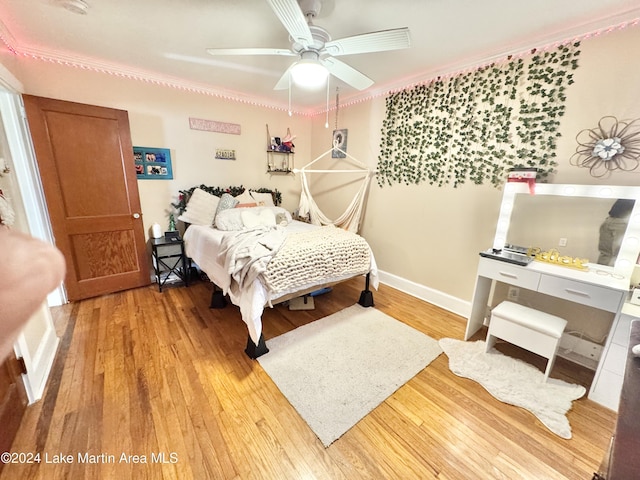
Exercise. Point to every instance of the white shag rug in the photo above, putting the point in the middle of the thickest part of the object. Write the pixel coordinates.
(336, 370)
(514, 382)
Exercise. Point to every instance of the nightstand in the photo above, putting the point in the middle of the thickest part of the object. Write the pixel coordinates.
(169, 261)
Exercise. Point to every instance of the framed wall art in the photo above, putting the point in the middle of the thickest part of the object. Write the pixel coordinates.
(339, 141)
(152, 163)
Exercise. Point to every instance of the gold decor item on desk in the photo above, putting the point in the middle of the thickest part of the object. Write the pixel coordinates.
(554, 257)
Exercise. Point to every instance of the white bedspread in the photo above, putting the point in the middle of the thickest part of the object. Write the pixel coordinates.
(204, 244)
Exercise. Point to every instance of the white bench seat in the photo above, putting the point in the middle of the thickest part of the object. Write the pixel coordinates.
(535, 331)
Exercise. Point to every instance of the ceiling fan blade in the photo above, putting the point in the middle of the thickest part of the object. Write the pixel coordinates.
(290, 15)
(250, 51)
(346, 73)
(393, 39)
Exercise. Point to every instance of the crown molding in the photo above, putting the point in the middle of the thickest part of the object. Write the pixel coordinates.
(579, 32)
(123, 71)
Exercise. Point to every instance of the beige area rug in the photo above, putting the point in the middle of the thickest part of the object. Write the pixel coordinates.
(514, 382)
(336, 370)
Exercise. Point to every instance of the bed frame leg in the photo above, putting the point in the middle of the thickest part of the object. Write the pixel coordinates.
(253, 351)
(366, 296)
(217, 298)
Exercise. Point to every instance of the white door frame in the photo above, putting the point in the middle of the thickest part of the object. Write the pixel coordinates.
(38, 351)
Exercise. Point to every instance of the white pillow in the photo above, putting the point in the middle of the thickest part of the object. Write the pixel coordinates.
(201, 208)
(230, 219)
(245, 197)
(251, 218)
(262, 199)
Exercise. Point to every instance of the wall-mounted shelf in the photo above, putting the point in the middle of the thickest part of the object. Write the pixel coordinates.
(280, 153)
(280, 162)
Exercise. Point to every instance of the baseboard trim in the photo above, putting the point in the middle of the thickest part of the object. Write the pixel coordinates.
(39, 367)
(435, 297)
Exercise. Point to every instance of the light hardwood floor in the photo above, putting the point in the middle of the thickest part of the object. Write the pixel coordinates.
(142, 373)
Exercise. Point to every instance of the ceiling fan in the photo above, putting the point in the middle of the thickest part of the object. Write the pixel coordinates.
(315, 49)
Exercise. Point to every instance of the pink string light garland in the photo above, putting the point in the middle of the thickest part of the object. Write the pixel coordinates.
(239, 98)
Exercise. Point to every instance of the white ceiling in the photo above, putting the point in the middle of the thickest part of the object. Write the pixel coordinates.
(165, 40)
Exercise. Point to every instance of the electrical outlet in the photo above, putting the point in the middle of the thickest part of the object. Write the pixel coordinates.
(562, 242)
(514, 293)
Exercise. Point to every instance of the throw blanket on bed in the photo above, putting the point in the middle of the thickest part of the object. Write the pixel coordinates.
(247, 253)
(285, 263)
(317, 255)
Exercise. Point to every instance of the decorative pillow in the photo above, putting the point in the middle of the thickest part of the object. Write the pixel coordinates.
(246, 205)
(245, 197)
(251, 218)
(281, 219)
(283, 215)
(263, 199)
(201, 208)
(231, 219)
(226, 202)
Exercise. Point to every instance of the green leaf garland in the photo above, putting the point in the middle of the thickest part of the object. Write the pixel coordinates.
(184, 195)
(475, 126)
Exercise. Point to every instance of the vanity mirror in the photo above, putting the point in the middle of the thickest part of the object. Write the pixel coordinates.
(568, 218)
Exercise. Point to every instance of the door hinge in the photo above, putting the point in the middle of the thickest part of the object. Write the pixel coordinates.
(23, 366)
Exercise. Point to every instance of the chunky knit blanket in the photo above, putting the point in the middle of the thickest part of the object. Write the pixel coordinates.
(316, 256)
(286, 264)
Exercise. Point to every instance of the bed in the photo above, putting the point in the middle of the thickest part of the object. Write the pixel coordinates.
(257, 255)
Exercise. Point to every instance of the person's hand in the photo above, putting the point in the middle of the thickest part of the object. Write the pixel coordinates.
(29, 270)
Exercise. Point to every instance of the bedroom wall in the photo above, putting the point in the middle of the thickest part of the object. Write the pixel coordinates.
(423, 234)
(159, 117)
(432, 235)
(426, 238)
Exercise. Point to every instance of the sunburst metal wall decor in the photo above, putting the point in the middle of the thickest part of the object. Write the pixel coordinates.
(613, 145)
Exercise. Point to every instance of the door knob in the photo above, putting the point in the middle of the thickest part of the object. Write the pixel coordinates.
(136, 215)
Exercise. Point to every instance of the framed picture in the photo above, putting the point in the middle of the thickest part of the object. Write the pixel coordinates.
(340, 141)
(152, 163)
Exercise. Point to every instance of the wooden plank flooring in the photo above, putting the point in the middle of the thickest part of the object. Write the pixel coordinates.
(143, 373)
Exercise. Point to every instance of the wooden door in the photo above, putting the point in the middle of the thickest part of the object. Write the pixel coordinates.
(85, 158)
(13, 402)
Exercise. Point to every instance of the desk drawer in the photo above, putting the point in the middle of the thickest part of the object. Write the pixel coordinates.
(584, 293)
(511, 274)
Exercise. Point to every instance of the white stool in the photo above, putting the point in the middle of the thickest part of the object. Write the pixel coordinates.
(525, 327)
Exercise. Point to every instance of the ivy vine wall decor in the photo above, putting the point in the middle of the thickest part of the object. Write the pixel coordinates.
(477, 125)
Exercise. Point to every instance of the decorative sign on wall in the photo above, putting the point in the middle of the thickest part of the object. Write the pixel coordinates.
(224, 154)
(152, 163)
(213, 126)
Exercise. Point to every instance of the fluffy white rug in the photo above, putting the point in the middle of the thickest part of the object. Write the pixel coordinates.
(514, 382)
(336, 370)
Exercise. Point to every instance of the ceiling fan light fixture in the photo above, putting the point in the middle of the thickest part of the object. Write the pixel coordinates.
(309, 73)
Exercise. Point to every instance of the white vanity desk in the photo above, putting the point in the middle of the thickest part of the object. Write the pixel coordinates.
(585, 288)
(594, 288)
